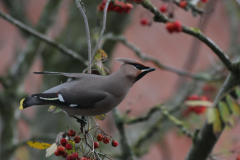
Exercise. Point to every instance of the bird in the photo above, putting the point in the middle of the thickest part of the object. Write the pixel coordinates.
(90, 94)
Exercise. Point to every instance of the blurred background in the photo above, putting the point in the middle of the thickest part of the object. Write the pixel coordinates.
(21, 54)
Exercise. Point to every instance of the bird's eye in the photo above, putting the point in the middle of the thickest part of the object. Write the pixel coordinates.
(138, 66)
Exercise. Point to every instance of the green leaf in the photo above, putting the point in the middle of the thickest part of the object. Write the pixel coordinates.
(225, 113)
(237, 90)
(217, 126)
(235, 108)
(73, 150)
(211, 114)
(195, 30)
(101, 117)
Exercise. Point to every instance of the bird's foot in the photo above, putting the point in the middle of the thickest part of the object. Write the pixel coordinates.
(82, 121)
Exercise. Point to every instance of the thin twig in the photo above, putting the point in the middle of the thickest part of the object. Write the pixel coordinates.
(103, 28)
(42, 37)
(238, 2)
(145, 117)
(87, 33)
(146, 57)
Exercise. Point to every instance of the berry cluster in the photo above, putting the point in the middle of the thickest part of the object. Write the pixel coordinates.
(120, 7)
(174, 26)
(105, 140)
(67, 146)
(70, 142)
(196, 109)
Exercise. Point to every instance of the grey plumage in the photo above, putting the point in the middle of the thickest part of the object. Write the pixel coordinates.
(88, 94)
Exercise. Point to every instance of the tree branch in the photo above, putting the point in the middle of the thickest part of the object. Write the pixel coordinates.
(143, 118)
(103, 28)
(206, 137)
(42, 37)
(146, 57)
(87, 33)
(127, 150)
(159, 17)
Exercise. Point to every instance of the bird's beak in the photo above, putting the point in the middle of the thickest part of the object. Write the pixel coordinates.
(149, 70)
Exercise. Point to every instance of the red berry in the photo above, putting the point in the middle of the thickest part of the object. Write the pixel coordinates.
(71, 132)
(128, 7)
(99, 137)
(106, 140)
(74, 155)
(193, 97)
(163, 8)
(177, 26)
(170, 27)
(137, 1)
(204, 1)
(96, 145)
(68, 146)
(60, 149)
(63, 142)
(83, 158)
(57, 153)
(77, 139)
(183, 4)
(69, 158)
(144, 21)
(114, 143)
(65, 154)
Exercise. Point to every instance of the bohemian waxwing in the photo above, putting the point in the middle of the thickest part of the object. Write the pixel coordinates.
(89, 94)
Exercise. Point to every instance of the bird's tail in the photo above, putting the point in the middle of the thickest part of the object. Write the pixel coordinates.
(30, 101)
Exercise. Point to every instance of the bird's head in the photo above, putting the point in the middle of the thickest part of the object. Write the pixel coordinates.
(133, 68)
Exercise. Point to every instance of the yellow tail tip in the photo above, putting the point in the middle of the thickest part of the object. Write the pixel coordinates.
(21, 104)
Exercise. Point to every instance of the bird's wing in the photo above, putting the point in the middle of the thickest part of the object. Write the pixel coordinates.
(84, 98)
(67, 98)
(76, 75)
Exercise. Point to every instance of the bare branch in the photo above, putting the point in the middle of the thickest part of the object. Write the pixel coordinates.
(103, 28)
(143, 118)
(42, 37)
(87, 33)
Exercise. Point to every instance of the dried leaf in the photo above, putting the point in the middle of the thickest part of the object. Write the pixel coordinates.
(38, 145)
(57, 110)
(100, 55)
(101, 117)
(51, 108)
(51, 150)
(198, 103)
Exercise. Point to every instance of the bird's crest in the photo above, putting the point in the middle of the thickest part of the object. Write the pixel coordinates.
(129, 61)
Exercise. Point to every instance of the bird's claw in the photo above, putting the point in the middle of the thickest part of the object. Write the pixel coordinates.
(82, 121)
